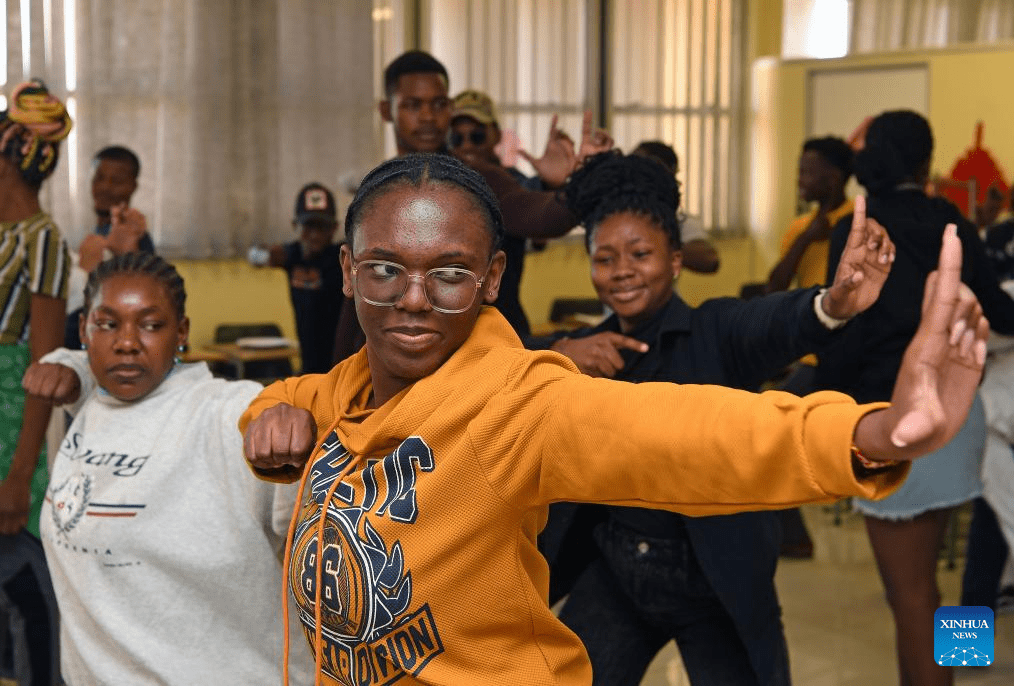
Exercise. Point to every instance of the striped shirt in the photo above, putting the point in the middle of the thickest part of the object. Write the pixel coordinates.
(33, 259)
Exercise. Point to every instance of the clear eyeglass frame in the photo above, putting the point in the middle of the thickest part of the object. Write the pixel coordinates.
(423, 278)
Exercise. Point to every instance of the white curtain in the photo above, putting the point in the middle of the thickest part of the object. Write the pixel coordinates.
(231, 105)
(883, 25)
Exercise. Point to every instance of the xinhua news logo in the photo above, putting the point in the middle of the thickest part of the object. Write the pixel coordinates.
(963, 636)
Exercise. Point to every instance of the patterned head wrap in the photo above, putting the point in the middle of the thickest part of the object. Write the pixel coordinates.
(31, 130)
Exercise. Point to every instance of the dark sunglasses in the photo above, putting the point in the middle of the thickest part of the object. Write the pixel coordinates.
(475, 137)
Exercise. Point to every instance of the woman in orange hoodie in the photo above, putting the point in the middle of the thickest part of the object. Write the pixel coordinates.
(428, 459)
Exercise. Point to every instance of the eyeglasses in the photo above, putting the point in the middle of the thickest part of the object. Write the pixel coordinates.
(475, 137)
(448, 289)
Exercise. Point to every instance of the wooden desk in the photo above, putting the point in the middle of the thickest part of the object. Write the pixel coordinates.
(239, 356)
(204, 355)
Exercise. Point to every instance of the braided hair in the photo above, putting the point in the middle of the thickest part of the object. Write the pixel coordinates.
(610, 183)
(899, 144)
(142, 264)
(31, 129)
(417, 170)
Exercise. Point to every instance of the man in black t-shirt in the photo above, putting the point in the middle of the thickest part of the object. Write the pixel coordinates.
(315, 276)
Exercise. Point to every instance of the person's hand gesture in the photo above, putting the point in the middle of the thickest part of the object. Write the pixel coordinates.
(126, 230)
(91, 251)
(593, 141)
(939, 373)
(558, 160)
(820, 228)
(598, 355)
(862, 269)
(281, 437)
(54, 383)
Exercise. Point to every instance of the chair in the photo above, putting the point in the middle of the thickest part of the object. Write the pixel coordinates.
(564, 308)
(264, 371)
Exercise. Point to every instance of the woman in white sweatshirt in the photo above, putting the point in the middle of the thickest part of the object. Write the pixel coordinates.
(164, 549)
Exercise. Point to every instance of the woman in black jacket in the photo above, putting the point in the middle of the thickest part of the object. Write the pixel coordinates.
(645, 577)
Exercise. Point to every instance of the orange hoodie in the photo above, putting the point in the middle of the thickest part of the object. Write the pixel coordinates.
(430, 570)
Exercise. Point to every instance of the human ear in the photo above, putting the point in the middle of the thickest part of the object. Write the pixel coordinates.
(384, 107)
(345, 259)
(82, 321)
(491, 285)
(677, 263)
(183, 333)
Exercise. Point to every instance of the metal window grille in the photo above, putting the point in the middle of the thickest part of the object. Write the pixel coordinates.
(672, 73)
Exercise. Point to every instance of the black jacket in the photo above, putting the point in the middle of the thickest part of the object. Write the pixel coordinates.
(865, 359)
(728, 342)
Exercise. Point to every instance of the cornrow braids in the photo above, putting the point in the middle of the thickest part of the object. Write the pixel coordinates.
(610, 183)
(416, 170)
(139, 263)
(898, 145)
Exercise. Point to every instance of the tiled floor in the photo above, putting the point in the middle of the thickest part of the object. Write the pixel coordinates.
(838, 626)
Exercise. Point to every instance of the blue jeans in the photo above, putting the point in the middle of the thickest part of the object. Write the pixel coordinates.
(643, 592)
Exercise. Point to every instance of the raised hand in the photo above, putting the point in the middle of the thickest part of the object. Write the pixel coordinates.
(593, 141)
(939, 373)
(820, 228)
(281, 437)
(54, 383)
(599, 355)
(863, 268)
(126, 230)
(91, 251)
(558, 160)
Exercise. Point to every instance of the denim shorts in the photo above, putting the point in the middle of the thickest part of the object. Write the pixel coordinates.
(944, 478)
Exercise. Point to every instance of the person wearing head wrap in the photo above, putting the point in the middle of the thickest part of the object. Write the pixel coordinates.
(33, 290)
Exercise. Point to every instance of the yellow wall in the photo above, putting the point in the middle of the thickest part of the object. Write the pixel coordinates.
(233, 292)
(966, 85)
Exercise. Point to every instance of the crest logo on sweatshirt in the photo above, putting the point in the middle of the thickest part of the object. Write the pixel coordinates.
(368, 635)
(69, 501)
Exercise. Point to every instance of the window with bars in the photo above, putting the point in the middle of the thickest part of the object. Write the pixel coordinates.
(665, 70)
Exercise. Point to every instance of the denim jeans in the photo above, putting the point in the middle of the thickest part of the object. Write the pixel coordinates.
(643, 592)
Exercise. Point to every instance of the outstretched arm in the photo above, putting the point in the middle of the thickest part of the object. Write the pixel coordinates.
(939, 373)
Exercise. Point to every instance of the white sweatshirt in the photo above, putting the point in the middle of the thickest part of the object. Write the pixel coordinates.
(163, 547)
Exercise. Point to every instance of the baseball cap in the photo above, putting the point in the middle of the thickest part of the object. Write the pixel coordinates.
(476, 105)
(315, 202)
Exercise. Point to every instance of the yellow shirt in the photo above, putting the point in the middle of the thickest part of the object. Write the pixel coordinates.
(812, 269)
(430, 573)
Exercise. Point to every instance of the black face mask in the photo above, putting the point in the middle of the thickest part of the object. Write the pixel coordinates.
(475, 137)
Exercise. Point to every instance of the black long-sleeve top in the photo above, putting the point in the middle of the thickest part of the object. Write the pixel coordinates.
(864, 361)
(733, 343)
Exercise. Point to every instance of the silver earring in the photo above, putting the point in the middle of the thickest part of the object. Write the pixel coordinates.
(181, 348)
(84, 346)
